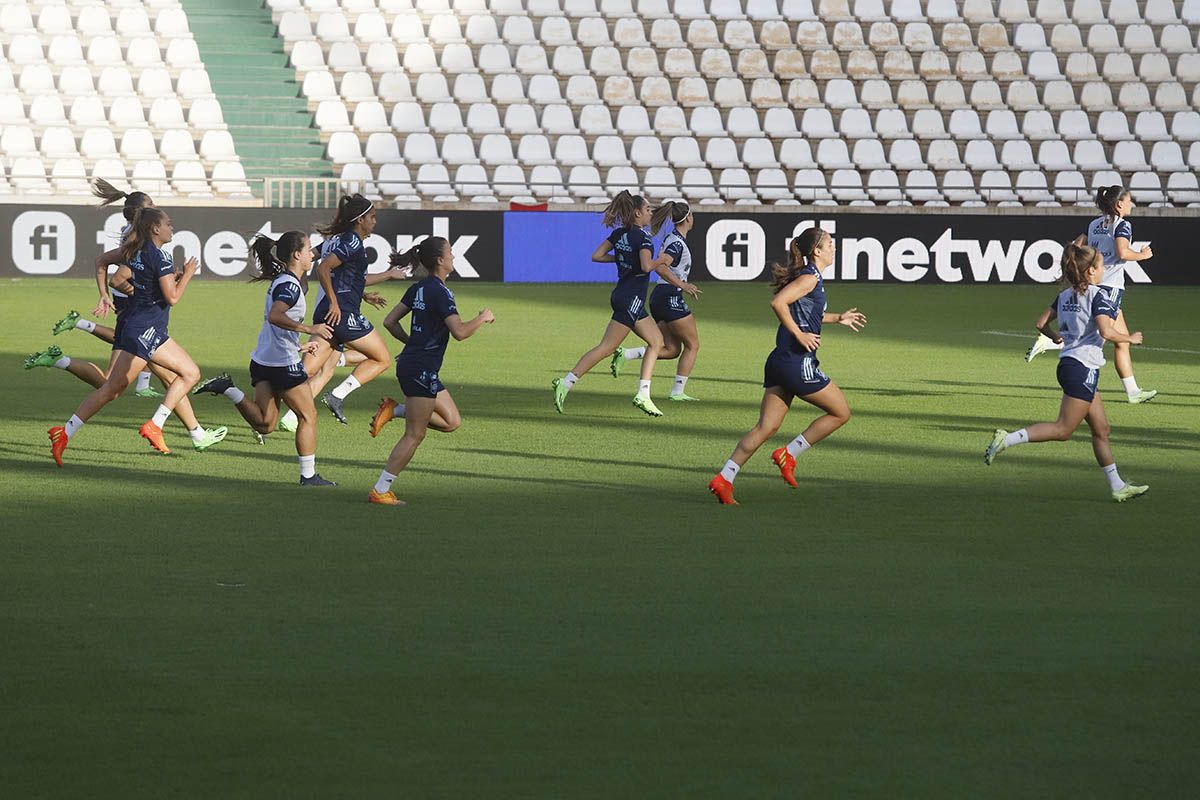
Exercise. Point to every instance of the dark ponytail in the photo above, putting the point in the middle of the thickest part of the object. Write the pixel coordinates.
(351, 208)
(1107, 199)
(111, 194)
(424, 254)
(141, 228)
(273, 256)
(1077, 259)
(675, 210)
(800, 251)
(622, 208)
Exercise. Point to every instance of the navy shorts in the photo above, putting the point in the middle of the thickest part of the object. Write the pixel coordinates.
(140, 336)
(1076, 379)
(627, 307)
(667, 304)
(1114, 294)
(797, 374)
(280, 378)
(353, 325)
(416, 381)
(119, 305)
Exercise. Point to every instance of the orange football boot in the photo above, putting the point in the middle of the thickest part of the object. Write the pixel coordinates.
(723, 489)
(58, 443)
(387, 408)
(787, 465)
(153, 434)
(385, 499)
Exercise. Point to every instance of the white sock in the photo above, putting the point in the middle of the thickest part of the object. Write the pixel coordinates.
(643, 388)
(235, 394)
(73, 425)
(63, 362)
(308, 466)
(160, 416)
(730, 470)
(1017, 437)
(345, 388)
(1114, 479)
(680, 382)
(197, 433)
(398, 411)
(634, 353)
(85, 325)
(341, 359)
(290, 418)
(384, 484)
(570, 379)
(1131, 387)
(798, 445)
(143, 381)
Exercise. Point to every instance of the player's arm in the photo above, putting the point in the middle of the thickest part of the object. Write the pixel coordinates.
(278, 317)
(464, 330)
(663, 266)
(393, 274)
(1127, 253)
(174, 286)
(325, 278)
(392, 322)
(852, 318)
(1043, 324)
(1108, 329)
(122, 280)
(603, 253)
(788, 295)
(103, 262)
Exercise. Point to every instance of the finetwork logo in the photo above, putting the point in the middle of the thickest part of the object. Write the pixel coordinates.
(735, 250)
(43, 242)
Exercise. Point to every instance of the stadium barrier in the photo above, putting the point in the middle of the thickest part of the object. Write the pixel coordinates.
(903, 245)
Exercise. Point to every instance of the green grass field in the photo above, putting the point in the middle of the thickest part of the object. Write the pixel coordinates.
(562, 610)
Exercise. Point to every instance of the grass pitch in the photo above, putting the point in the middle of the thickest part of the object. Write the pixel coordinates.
(563, 610)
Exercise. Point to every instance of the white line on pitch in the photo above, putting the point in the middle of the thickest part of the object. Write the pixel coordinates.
(1140, 347)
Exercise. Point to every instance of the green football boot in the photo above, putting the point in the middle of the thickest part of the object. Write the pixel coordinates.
(149, 391)
(618, 360)
(211, 436)
(46, 358)
(560, 393)
(647, 405)
(995, 447)
(67, 323)
(1143, 396)
(683, 398)
(1128, 492)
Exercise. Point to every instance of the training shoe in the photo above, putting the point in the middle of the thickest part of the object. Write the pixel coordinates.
(995, 447)
(1143, 396)
(316, 480)
(211, 436)
(67, 323)
(787, 466)
(560, 393)
(258, 437)
(46, 358)
(216, 385)
(334, 404)
(1038, 347)
(153, 434)
(618, 359)
(682, 398)
(149, 391)
(58, 442)
(647, 405)
(385, 499)
(1128, 492)
(723, 489)
(383, 415)
(286, 425)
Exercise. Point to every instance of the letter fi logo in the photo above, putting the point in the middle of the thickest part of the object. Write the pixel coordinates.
(735, 250)
(43, 242)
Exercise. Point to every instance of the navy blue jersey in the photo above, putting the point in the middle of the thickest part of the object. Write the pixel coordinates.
(148, 265)
(628, 244)
(349, 279)
(432, 303)
(807, 312)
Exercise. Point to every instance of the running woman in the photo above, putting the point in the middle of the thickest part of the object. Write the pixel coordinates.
(629, 246)
(668, 307)
(435, 319)
(276, 371)
(792, 369)
(1087, 316)
(342, 273)
(1111, 234)
(142, 333)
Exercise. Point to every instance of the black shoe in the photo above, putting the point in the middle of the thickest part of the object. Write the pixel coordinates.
(335, 405)
(216, 385)
(316, 480)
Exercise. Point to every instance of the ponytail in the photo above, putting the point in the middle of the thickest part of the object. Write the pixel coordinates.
(425, 254)
(675, 210)
(111, 194)
(1077, 259)
(799, 252)
(351, 208)
(141, 227)
(273, 257)
(1108, 197)
(622, 208)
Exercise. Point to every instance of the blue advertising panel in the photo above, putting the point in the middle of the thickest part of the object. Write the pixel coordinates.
(554, 247)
